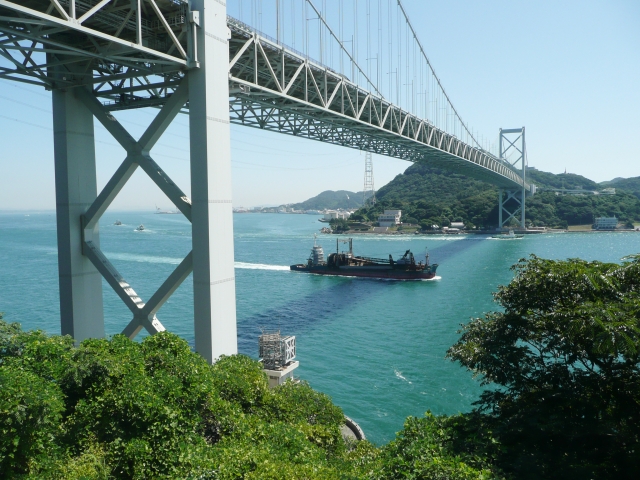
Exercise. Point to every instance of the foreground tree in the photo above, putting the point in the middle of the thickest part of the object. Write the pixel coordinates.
(155, 409)
(564, 359)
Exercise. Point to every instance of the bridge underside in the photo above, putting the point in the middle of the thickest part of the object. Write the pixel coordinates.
(275, 88)
(264, 112)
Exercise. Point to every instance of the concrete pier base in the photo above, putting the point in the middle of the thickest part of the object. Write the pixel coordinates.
(81, 314)
(214, 292)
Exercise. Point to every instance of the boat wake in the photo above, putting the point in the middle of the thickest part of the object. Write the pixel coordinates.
(432, 279)
(127, 257)
(401, 377)
(261, 266)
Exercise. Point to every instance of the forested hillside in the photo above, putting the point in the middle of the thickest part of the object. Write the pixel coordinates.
(332, 200)
(433, 196)
(629, 185)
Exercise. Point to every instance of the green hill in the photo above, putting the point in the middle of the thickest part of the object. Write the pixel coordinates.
(629, 185)
(331, 199)
(570, 181)
(429, 195)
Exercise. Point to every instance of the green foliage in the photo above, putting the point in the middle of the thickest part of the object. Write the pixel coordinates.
(240, 380)
(339, 225)
(438, 448)
(312, 411)
(570, 181)
(142, 401)
(429, 195)
(628, 185)
(332, 200)
(30, 413)
(565, 355)
(119, 409)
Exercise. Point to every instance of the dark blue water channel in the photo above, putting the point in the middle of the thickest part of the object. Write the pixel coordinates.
(376, 347)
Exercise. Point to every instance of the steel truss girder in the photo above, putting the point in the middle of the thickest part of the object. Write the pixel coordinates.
(95, 30)
(141, 38)
(144, 314)
(517, 145)
(505, 214)
(273, 85)
(302, 123)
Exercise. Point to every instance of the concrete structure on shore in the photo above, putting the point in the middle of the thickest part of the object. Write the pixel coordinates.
(390, 218)
(605, 223)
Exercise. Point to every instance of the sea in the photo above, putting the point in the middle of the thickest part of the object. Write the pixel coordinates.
(376, 347)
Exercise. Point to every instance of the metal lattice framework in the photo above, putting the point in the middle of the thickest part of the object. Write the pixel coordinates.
(115, 46)
(277, 89)
(369, 191)
(271, 87)
(275, 350)
(144, 315)
(115, 40)
(511, 202)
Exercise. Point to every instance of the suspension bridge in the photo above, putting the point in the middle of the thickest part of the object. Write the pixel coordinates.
(311, 76)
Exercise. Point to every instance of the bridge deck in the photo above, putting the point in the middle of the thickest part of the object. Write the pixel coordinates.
(137, 64)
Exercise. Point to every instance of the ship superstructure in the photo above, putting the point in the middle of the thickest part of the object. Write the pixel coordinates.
(349, 265)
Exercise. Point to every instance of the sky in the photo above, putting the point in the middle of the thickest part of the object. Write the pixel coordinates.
(567, 71)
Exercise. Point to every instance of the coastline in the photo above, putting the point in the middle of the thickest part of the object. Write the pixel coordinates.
(482, 232)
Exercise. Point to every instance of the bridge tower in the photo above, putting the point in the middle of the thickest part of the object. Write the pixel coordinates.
(184, 47)
(368, 180)
(512, 150)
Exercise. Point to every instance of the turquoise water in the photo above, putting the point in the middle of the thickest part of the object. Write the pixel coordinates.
(376, 347)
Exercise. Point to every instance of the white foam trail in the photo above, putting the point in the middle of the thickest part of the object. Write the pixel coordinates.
(128, 257)
(432, 279)
(260, 266)
(407, 238)
(399, 375)
(392, 279)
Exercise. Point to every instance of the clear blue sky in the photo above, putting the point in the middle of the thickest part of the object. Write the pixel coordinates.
(567, 71)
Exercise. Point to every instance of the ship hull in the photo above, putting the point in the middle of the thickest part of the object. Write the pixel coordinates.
(367, 272)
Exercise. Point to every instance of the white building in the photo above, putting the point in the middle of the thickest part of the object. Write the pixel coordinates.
(606, 223)
(390, 218)
(332, 214)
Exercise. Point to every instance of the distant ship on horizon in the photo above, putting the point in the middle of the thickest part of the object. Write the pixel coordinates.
(166, 212)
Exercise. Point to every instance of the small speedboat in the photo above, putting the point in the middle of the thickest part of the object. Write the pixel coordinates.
(117, 222)
(140, 228)
(509, 236)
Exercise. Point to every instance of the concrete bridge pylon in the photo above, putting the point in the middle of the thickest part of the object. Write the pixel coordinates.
(82, 264)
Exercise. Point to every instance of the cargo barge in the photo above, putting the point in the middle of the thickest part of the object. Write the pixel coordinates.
(346, 264)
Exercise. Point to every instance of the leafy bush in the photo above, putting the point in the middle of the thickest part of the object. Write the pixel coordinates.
(565, 356)
(339, 225)
(437, 448)
(127, 410)
(30, 414)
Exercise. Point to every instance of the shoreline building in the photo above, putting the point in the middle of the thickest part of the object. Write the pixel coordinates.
(605, 223)
(390, 218)
(333, 214)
